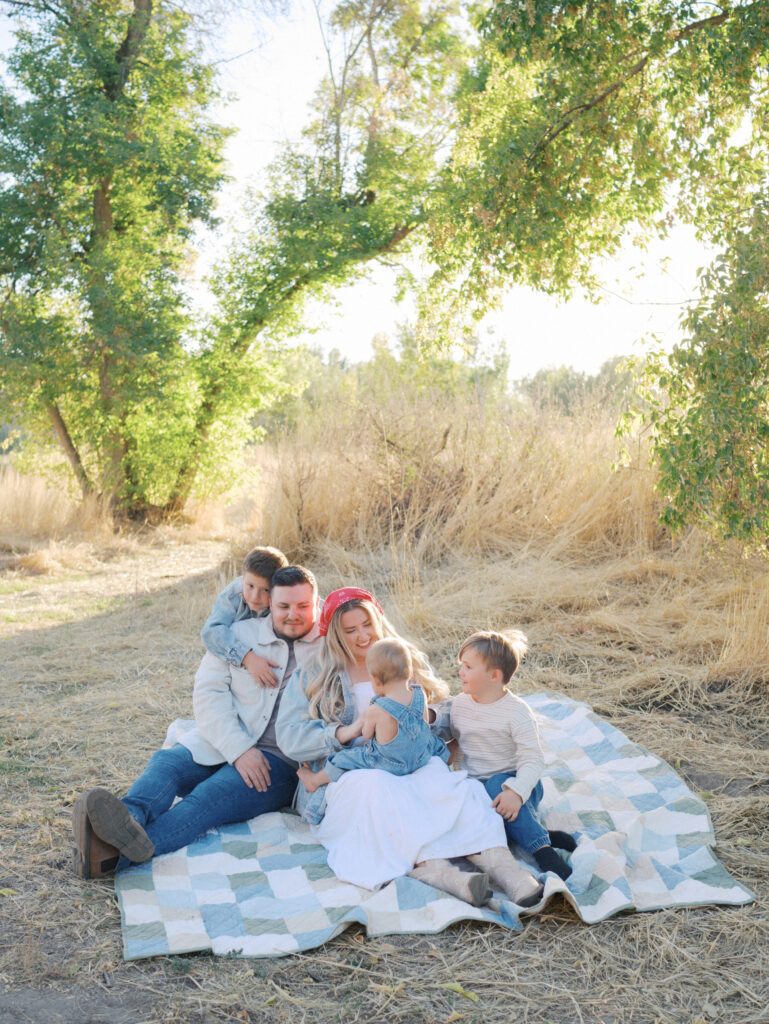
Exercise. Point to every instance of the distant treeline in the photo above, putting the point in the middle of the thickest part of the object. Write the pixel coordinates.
(318, 382)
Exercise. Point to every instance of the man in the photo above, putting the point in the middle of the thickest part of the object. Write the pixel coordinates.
(228, 768)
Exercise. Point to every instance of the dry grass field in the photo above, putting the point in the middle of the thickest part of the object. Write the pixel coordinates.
(453, 531)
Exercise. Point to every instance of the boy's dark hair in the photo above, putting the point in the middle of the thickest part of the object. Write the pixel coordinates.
(389, 659)
(504, 651)
(292, 576)
(264, 562)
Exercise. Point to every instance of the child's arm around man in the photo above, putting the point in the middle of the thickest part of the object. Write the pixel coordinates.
(246, 597)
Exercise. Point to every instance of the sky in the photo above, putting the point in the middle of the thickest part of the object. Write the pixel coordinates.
(270, 68)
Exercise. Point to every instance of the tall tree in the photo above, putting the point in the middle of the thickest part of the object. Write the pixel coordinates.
(112, 159)
(585, 119)
(709, 398)
(109, 159)
(357, 186)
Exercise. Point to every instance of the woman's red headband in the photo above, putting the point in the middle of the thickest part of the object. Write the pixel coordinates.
(337, 598)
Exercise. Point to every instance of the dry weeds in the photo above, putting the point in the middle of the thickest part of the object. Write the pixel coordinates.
(667, 641)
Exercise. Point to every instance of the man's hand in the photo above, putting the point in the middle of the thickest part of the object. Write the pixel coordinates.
(260, 669)
(254, 768)
(508, 804)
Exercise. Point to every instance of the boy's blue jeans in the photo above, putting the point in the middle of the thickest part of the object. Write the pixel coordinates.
(211, 795)
(526, 830)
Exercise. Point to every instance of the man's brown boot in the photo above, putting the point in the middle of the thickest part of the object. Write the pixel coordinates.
(111, 821)
(93, 858)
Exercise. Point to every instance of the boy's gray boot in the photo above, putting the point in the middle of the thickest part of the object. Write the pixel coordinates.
(507, 874)
(470, 886)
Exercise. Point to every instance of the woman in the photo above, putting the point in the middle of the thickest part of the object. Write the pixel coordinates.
(377, 826)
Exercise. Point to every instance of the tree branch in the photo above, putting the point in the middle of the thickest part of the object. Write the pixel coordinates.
(207, 411)
(128, 51)
(570, 116)
(70, 451)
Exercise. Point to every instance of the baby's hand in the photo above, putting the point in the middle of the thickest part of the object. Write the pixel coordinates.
(345, 733)
(508, 804)
(308, 778)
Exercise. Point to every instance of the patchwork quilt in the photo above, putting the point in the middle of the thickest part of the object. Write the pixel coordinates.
(263, 888)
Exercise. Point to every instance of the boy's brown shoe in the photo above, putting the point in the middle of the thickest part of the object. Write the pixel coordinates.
(112, 822)
(93, 858)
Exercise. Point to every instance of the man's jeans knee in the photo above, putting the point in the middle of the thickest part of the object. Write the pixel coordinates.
(170, 773)
(526, 830)
(212, 795)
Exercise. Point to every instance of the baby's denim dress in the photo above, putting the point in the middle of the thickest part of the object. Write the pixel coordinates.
(409, 750)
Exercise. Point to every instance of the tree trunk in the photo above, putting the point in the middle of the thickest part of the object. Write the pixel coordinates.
(116, 473)
(73, 456)
(207, 413)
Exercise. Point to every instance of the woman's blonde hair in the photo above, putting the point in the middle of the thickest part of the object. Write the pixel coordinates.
(323, 687)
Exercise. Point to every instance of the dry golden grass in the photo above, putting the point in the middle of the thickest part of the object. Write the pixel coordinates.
(666, 639)
(35, 509)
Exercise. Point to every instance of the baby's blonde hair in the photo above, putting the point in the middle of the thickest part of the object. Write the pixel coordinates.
(389, 660)
(321, 676)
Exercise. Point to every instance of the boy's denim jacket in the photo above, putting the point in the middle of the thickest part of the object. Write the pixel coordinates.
(313, 740)
(217, 633)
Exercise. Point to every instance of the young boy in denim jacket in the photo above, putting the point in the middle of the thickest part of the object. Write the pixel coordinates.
(244, 598)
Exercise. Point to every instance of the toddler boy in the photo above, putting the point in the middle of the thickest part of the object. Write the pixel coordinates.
(246, 597)
(499, 743)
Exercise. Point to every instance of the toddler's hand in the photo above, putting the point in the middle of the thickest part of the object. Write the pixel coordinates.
(261, 669)
(508, 804)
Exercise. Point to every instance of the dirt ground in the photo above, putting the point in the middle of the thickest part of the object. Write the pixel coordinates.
(98, 655)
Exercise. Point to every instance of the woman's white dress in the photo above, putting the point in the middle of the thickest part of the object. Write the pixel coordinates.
(378, 826)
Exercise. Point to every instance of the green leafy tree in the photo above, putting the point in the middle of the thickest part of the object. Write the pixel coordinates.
(710, 421)
(110, 161)
(584, 119)
(352, 192)
(357, 187)
(569, 391)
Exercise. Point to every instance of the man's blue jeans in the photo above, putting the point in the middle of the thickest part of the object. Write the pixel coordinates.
(211, 795)
(526, 830)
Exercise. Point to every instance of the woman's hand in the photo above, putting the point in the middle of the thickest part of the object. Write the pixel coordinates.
(508, 804)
